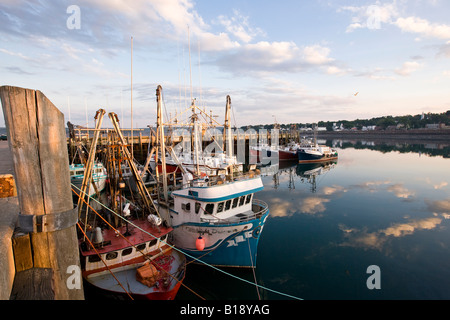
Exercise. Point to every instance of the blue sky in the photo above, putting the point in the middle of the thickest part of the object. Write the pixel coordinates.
(293, 61)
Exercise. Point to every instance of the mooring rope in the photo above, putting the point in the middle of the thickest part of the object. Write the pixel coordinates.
(253, 268)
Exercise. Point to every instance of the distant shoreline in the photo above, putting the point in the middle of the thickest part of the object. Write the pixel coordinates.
(412, 134)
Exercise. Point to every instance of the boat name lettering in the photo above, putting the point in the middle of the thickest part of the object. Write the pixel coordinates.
(240, 238)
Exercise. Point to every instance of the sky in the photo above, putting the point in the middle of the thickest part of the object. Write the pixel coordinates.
(288, 61)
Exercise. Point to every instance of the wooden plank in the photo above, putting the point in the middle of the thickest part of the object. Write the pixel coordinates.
(37, 141)
(33, 284)
(24, 146)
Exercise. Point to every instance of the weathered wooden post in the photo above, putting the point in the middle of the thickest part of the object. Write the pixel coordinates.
(37, 140)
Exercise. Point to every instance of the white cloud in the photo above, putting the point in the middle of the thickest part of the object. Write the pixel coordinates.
(408, 67)
(374, 16)
(267, 57)
(317, 54)
(238, 25)
(423, 27)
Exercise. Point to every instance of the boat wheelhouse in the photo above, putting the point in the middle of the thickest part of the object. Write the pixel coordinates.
(223, 213)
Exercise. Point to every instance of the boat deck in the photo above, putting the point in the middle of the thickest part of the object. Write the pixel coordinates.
(140, 232)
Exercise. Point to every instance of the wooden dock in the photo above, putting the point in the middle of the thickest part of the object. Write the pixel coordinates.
(9, 205)
(38, 225)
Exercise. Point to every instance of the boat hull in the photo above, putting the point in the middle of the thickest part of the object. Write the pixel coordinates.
(109, 287)
(228, 245)
(287, 155)
(315, 157)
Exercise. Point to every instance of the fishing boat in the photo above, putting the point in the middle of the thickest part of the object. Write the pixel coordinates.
(311, 152)
(133, 260)
(219, 222)
(215, 219)
(288, 152)
(99, 177)
(125, 251)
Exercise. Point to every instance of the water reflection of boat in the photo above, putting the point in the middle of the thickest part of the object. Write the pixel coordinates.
(308, 172)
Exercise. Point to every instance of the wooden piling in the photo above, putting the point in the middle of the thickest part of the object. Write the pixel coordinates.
(37, 140)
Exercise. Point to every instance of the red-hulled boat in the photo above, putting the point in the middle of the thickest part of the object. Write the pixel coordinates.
(134, 260)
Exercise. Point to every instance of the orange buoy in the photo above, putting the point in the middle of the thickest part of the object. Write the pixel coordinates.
(200, 243)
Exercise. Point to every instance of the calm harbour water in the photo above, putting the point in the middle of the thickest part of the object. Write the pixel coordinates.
(387, 206)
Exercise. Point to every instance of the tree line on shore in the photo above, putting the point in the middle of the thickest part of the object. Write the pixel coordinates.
(407, 122)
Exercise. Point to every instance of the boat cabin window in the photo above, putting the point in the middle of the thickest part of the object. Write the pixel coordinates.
(228, 205)
(209, 209)
(79, 172)
(141, 247)
(249, 197)
(186, 206)
(220, 207)
(241, 200)
(235, 202)
(197, 207)
(152, 243)
(94, 258)
(111, 255)
(127, 251)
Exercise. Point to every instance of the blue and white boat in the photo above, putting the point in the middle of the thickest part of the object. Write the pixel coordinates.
(215, 218)
(218, 220)
(99, 176)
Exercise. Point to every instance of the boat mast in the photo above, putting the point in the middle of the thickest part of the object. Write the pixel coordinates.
(161, 142)
(194, 121)
(227, 129)
(90, 163)
(131, 88)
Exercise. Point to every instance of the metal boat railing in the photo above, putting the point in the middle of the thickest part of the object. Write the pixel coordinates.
(259, 208)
